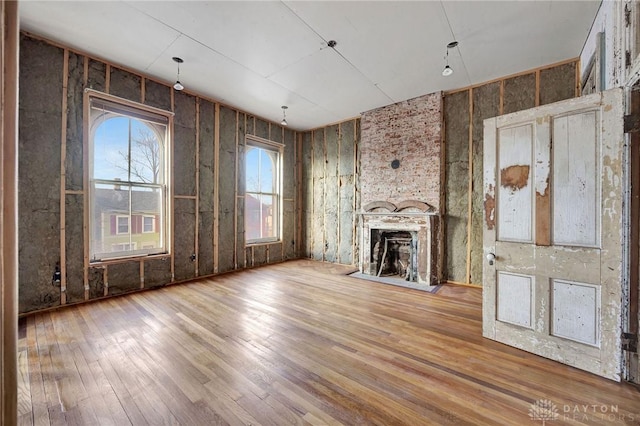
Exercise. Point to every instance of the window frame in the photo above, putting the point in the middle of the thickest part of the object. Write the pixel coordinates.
(156, 119)
(277, 148)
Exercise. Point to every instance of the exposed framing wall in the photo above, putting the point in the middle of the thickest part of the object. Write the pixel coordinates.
(330, 192)
(207, 191)
(464, 112)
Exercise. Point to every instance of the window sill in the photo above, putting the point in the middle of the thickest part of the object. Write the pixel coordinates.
(124, 259)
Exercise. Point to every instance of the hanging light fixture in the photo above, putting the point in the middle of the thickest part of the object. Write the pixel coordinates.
(447, 71)
(178, 85)
(284, 115)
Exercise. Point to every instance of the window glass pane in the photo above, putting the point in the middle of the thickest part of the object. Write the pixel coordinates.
(252, 169)
(110, 147)
(268, 217)
(252, 217)
(145, 153)
(110, 214)
(145, 210)
(267, 168)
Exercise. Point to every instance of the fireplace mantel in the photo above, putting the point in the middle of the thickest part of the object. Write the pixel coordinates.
(424, 223)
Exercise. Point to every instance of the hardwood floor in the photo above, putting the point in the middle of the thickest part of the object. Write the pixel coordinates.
(295, 343)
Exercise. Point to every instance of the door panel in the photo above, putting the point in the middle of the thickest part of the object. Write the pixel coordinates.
(553, 214)
(576, 176)
(515, 190)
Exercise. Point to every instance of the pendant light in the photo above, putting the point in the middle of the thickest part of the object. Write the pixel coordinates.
(284, 115)
(447, 71)
(178, 85)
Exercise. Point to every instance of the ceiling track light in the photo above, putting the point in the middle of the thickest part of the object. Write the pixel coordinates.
(178, 86)
(284, 115)
(447, 71)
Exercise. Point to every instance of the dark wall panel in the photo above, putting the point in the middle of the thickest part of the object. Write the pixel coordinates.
(331, 194)
(289, 187)
(206, 189)
(456, 115)
(318, 195)
(307, 195)
(558, 83)
(157, 272)
(486, 104)
(125, 85)
(184, 145)
(40, 128)
(96, 78)
(74, 243)
(226, 188)
(73, 160)
(123, 277)
(157, 95)
(347, 192)
(184, 238)
(519, 93)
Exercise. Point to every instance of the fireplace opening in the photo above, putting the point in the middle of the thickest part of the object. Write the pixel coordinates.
(393, 254)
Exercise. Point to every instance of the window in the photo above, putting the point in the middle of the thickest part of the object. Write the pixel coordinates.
(123, 224)
(128, 176)
(148, 224)
(262, 193)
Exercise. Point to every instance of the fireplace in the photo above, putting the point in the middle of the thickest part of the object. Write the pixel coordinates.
(401, 242)
(394, 254)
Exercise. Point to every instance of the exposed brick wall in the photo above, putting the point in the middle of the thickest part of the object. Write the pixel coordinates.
(408, 131)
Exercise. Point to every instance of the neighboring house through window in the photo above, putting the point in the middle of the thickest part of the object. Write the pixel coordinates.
(128, 177)
(262, 190)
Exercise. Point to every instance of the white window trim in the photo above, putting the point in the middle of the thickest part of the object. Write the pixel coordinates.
(166, 216)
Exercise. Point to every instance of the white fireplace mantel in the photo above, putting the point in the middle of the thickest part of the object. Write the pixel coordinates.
(425, 224)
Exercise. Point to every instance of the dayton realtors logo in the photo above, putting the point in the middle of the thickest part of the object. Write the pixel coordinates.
(544, 410)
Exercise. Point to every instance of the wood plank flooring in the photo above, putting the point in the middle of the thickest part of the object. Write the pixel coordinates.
(295, 343)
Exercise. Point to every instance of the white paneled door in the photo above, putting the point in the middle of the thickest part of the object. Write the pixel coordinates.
(553, 191)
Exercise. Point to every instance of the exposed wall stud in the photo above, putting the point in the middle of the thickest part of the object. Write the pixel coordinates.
(470, 193)
(216, 185)
(196, 243)
(63, 181)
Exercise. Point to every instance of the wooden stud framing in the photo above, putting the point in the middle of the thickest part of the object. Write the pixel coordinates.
(185, 197)
(216, 185)
(197, 218)
(236, 195)
(339, 210)
(355, 192)
(85, 71)
(141, 273)
(298, 191)
(537, 87)
(63, 181)
(9, 46)
(282, 186)
(172, 194)
(324, 194)
(443, 192)
(85, 181)
(470, 192)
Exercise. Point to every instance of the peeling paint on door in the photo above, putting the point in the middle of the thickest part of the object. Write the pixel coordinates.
(489, 208)
(515, 177)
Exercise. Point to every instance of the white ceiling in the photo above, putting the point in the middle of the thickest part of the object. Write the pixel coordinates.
(257, 56)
